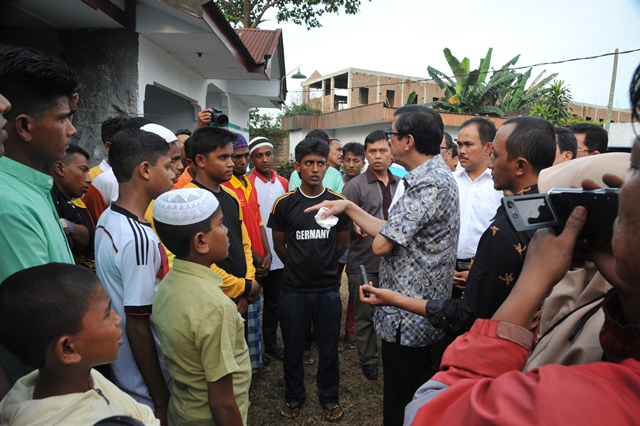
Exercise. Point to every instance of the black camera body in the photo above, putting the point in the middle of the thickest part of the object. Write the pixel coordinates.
(534, 211)
(218, 118)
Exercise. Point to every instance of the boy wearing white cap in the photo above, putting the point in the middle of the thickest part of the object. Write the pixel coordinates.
(200, 329)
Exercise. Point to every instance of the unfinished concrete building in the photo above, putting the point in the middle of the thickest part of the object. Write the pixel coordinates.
(356, 87)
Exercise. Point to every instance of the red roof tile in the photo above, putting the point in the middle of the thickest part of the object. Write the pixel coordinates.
(260, 43)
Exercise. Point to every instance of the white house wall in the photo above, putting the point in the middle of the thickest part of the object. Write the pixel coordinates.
(156, 67)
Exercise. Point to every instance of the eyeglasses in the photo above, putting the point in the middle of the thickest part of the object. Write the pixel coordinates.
(390, 133)
(444, 148)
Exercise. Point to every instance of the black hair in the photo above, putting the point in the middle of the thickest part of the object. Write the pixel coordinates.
(533, 138)
(566, 141)
(486, 128)
(319, 134)
(110, 128)
(448, 140)
(42, 303)
(375, 136)
(74, 148)
(595, 139)
(309, 146)
(634, 94)
(183, 132)
(131, 147)
(177, 238)
(424, 124)
(454, 149)
(208, 139)
(187, 148)
(355, 148)
(32, 81)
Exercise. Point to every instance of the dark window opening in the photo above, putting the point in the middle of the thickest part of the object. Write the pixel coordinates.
(391, 97)
(364, 95)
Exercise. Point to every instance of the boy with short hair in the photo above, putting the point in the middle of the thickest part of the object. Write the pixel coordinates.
(130, 262)
(58, 318)
(352, 160)
(201, 331)
(309, 288)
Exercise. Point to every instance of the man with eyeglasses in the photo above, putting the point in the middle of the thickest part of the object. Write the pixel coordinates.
(449, 152)
(592, 139)
(418, 243)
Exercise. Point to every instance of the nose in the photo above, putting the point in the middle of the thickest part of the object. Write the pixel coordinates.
(118, 318)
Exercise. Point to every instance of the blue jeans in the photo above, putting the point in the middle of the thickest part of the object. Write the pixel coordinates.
(296, 310)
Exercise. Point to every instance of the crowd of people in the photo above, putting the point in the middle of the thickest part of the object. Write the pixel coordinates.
(135, 288)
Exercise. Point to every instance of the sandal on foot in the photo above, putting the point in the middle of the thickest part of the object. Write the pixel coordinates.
(306, 358)
(349, 344)
(332, 413)
(291, 410)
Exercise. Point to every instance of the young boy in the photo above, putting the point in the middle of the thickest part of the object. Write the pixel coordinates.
(130, 262)
(58, 318)
(201, 331)
(309, 287)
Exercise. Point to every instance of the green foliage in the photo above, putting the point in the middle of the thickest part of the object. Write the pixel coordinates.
(300, 109)
(265, 125)
(250, 13)
(554, 104)
(412, 98)
(285, 168)
(506, 90)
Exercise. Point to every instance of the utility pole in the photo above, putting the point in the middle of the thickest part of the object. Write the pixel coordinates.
(607, 122)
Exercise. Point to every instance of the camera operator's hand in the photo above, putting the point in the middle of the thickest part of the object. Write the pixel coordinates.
(547, 261)
(600, 251)
(204, 117)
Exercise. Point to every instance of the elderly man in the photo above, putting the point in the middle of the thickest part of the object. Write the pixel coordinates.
(418, 243)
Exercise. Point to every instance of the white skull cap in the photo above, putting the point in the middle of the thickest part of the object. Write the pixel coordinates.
(161, 131)
(184, 206)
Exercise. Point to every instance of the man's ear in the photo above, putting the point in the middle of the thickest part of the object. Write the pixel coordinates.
(65, 350)
(199, 244)
(596, 152)
(58, 168)
(200, 161)
(23, 126)
(488, 147)
(144, 169)
(107, 146)
(296, 166)
(522, 166)
(408, 142)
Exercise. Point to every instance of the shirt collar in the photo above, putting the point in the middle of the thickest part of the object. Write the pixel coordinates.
(432, 163)
(263, 179)
(26, 174)
(200, 271)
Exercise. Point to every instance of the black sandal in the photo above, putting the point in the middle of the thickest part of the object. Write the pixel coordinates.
(332, 414)
(292, 409)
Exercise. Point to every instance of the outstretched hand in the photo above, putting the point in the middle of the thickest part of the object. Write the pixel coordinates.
(377, 296)
(335, 207)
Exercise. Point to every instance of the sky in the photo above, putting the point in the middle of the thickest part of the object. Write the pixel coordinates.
(405, 36)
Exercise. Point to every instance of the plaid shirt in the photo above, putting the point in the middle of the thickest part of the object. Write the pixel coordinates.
(424, 224)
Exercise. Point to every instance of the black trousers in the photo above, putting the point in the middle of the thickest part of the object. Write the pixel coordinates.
(270, 317)
(405, 369)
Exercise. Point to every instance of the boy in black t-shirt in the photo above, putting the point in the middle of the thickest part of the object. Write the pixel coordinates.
(309, 287)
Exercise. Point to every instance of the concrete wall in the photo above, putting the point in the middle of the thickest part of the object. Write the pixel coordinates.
(106, 61)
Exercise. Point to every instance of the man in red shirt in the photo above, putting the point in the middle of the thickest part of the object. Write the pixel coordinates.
(243, 188)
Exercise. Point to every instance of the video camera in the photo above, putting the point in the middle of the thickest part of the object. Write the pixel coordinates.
(529, 212)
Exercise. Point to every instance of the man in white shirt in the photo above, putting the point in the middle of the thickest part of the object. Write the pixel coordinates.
(478, 199)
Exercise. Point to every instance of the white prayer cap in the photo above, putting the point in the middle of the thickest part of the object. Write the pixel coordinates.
(184, 206)
(161, 131)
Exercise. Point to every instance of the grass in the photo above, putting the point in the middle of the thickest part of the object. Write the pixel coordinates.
(360, 398)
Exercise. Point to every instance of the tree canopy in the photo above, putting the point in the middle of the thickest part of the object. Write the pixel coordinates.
(250, 13)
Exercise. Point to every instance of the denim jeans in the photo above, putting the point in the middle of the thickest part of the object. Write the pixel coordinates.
(296, 309)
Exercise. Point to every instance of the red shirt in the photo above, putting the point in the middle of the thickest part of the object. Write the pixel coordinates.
(250, 210)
